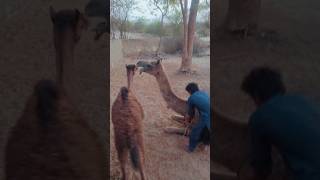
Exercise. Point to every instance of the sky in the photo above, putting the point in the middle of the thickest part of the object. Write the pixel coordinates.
(144, 9)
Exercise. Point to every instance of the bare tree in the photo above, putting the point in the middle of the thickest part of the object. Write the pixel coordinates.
(184, 10)
(189, 31)
(163, 7)
(120, 10)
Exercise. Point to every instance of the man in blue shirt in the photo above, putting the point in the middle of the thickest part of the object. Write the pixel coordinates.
(200, 131)
(288, 122)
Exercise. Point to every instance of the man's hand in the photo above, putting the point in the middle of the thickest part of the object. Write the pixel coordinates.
(187, 120)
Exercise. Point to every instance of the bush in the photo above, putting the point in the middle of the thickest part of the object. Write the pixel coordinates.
(203, 29)
(198, 46)
(171, 45)
(153, 28)
(138, 26)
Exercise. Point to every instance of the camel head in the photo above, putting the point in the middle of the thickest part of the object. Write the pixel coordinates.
(131, 69)
(69, 20)
(150, 67)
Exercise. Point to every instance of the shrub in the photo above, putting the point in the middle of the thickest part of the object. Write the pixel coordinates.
(171, 45)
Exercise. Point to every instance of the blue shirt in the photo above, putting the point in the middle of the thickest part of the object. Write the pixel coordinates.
(292, 125)
(201, 101)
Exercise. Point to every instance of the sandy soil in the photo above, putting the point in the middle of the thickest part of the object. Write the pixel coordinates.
(27, 55)
(165, 155)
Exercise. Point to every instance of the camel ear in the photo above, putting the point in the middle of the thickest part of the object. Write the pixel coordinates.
(52, 13)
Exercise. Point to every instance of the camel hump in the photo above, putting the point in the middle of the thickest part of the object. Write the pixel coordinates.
(124, 93)
(46, 92)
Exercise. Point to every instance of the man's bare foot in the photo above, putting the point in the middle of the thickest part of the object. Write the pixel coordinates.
(204, 148)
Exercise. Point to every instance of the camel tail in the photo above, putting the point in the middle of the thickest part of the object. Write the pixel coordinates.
(135, 157)
(124, 93)
(46, 92)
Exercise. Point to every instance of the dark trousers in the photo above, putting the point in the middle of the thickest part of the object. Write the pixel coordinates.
(205, 136)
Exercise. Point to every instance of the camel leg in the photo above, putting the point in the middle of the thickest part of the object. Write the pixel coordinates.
(141, 159)
(179, 119)
(141, 169)
(123, 156)
(175, 130)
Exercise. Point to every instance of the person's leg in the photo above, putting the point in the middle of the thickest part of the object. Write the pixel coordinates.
(195, 135)
(205, 136)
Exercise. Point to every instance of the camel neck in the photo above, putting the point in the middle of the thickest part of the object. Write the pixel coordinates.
(129, 79)
(173, 101)
(64, 45)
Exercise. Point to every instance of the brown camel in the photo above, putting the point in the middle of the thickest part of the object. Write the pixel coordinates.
(67, 28)
(230, 136)
(52, 140)
(127, 116)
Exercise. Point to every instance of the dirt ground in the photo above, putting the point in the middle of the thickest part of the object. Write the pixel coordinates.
(289, 42)
(27, 55)
(165, 155)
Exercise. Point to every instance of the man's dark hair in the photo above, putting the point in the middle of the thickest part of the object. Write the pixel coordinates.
(192, 87)
(263, 83)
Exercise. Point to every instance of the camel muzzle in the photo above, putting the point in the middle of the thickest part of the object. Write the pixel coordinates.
(143, 66)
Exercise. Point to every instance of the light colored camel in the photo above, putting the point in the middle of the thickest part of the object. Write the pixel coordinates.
(127, 116)
(52, 140)
(230, 136)
(99, 8)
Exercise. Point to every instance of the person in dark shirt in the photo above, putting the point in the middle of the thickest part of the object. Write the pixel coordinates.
(200, 131)
(290, 123)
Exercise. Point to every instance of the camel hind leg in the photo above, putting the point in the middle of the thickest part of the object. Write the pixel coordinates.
(123, 156)
(137, 155)
(141, 168)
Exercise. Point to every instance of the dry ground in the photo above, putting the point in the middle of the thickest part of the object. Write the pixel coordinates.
(27, 55)
(165, 155)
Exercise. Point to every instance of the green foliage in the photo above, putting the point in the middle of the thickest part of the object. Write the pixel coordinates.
(139, 25)
(173, 25)
(202, 29)
(154, 28)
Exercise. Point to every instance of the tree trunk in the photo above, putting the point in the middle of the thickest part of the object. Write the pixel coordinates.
(184, 10)
(187, 61)
(243, 15)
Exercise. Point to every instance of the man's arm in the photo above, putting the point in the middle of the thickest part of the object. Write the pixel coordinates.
(190, 112)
